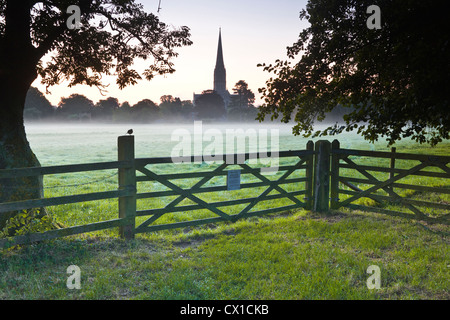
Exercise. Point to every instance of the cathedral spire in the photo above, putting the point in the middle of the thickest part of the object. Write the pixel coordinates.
(220, 82)
(219, 60)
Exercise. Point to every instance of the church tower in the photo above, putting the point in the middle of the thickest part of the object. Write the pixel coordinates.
(220, 78)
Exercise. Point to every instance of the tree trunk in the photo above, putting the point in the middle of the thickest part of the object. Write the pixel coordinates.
(18, 61)
(15, 151)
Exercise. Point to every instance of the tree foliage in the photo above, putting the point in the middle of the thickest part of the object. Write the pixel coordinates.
(144, 111)
(106, 107)
(112, 34)
(210, 105)
(244, 96)
(75, 104)
(394, 81)
(37, 105)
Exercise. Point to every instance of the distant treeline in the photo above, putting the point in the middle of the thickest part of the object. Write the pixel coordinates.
(209, 106)
(78, 107)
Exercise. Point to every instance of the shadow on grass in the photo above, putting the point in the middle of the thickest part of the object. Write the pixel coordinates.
(289, 255)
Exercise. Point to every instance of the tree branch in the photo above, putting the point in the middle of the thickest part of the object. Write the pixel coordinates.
(48, 42)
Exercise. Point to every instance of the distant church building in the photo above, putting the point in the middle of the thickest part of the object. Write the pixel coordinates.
(220, 77)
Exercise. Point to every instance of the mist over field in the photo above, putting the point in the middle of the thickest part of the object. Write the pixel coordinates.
(67, 143)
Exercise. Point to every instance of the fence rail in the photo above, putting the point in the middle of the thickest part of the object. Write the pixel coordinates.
(40, 171)
(319, 169)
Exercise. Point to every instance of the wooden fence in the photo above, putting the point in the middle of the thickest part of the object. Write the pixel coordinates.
(287, 175)
(122, 192)
(314, 175)
(386, 192)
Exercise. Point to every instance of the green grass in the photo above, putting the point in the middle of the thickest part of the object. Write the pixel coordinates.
(291, 255)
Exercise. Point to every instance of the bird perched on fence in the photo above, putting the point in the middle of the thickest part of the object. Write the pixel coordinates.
(130, 131)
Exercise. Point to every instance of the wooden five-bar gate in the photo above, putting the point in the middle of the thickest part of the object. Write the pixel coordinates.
(288, 174)
(321, 177)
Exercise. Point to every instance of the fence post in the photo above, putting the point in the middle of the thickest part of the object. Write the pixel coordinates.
(392, 163)
(334, 177)
(127, 180)
(392, 166)
(322, 176)
(309, 177)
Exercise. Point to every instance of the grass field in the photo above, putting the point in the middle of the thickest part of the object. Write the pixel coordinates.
(293, 255)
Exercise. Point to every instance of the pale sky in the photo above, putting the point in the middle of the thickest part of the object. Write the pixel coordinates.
(253, 31)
